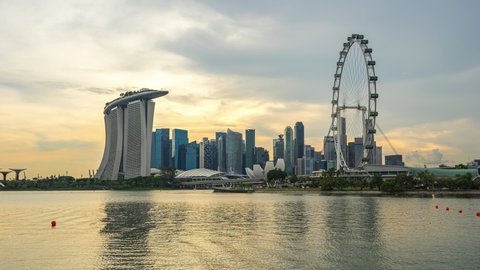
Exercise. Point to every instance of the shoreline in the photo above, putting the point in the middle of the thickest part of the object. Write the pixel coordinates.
(375, 193)
(364, 193)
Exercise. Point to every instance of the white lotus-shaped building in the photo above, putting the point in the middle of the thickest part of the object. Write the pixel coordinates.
(259, 173)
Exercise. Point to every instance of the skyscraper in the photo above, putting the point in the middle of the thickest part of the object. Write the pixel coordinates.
(221, 138)
(299, 133)
(179, 139)
(161, 152)
(358, 151)
(342, 136)
(288, 150)
(351, 154)
(234, 152)
(329, 150)
(261, 156)
(309, 159)
(378, 160)
(128, 125)
(208, 154)
(249, 148)
(278, 147)
(191, 156)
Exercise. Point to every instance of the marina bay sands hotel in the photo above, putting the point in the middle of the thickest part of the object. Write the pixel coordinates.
(128, 131)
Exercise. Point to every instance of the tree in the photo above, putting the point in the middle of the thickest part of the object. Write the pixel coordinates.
(461, 166)
(376, 181)
(401, 182)
(293, 178)
(168, 172)
(464, 181)
(328, 182)
(427, 179)
(276, 175)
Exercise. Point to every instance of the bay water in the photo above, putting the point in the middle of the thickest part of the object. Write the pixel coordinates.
(206, 230)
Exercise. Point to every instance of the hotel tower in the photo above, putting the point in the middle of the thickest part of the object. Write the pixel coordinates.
(128, 135)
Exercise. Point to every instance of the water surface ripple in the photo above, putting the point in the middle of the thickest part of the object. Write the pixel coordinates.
(205, 230)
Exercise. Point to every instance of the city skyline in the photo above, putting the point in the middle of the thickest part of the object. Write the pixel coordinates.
(262, 66)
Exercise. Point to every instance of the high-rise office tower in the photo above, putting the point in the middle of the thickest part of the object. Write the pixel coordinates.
(309, 159)
(288, 150)
(161, 152)
(208, 154)
(278, 147)
(261, 156)
(378, 160)
(342, 136)
(179, 140)
(234, 152)
(358, 151)
(221, 138)
(351, 155)
(249, 148)
(329, 149)
(317, 161)
(299, 134)
(128, 125)
(329, 152)
(191, 156)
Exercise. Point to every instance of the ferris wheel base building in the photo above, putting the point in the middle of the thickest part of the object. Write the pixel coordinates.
(128, 125)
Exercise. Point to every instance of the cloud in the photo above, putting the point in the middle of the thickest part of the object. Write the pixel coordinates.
(455, 140)
(56, 145)
(433, 157)
(99, 91)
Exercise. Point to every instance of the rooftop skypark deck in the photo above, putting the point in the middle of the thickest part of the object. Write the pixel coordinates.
(125, 98)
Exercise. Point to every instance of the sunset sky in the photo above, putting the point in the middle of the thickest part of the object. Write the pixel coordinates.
(232, 64)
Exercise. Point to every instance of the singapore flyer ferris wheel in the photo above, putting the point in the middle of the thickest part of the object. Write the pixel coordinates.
(354, 105)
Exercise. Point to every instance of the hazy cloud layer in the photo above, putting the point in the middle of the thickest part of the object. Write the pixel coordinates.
(434, 157)
(53, 145)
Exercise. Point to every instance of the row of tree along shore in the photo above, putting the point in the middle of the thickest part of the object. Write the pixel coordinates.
(331, 181)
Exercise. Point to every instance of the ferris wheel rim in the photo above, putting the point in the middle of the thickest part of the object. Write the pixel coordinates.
(371, 109)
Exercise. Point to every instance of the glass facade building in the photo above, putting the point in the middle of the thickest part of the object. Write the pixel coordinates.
(161, 152)
(249, 148)
(208, 154)
(234, 152)
(191, 156)
(299, 133)
(278, 148)
(179, 142)
(288, 150)
(221, 138)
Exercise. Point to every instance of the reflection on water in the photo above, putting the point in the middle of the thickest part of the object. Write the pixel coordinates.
(126, 230)
(352, 233)
(203, 230)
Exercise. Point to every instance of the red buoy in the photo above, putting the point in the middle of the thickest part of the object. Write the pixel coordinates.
(447, 209)
(460, 211)
(478, 214)
(54, 223)
(436, 206)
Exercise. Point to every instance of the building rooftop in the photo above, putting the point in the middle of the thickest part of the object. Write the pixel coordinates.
(199, 173)
(130, 96)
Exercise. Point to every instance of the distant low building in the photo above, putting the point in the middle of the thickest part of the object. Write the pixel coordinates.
(396, 160)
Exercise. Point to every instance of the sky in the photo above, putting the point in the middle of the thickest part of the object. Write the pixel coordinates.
(232, 64)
